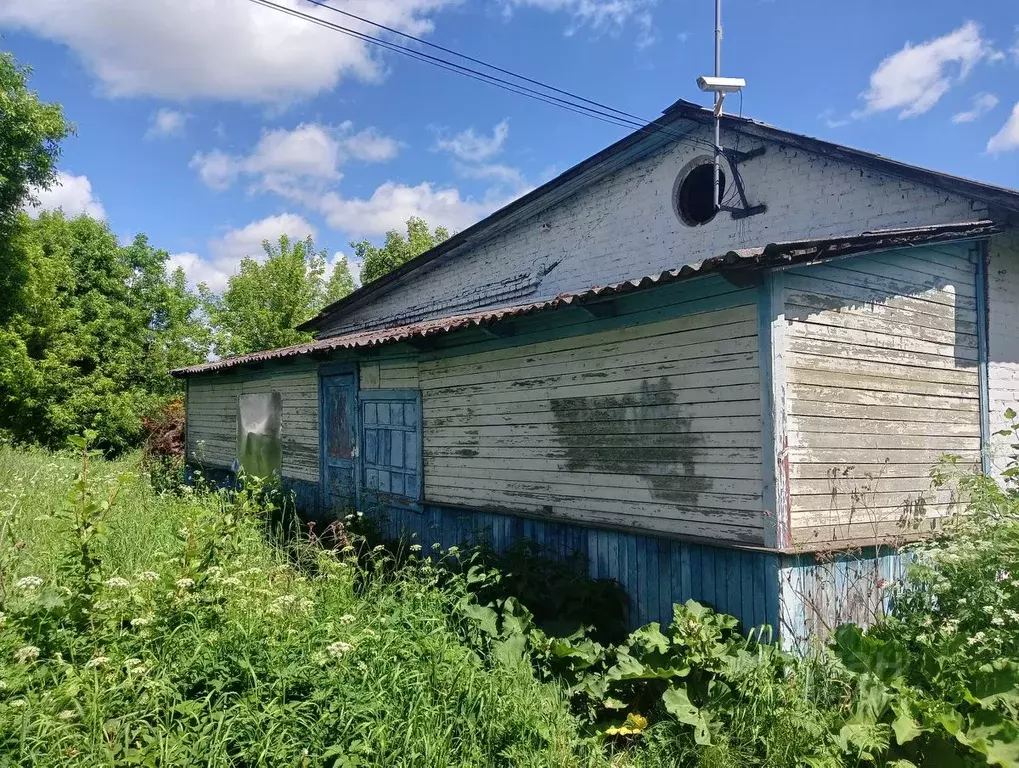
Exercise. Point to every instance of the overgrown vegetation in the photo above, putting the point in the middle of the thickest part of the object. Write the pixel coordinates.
(181, 626)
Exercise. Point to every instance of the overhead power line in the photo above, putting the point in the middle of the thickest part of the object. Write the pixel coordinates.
(572, 102)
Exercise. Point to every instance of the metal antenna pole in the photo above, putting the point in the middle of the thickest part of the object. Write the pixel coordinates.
(719, 96)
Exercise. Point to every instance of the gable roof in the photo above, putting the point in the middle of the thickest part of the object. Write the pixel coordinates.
(772, 255)
(678, 120)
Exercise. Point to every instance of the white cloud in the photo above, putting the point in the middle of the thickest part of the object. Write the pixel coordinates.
(226, 49)
(982, 104)
(392, 204)
(830, 120)
(166, 122)
(1007, 138)
(284, 161)
(470, 147)
(914, 79)
(227, 250)
(597, 14)
(369, 145)
(72, 194)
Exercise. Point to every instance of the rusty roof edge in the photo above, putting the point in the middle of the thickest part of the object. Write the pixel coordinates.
(773, 255)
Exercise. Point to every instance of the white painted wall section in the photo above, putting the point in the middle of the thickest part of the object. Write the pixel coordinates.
(624, 226)
(1002, 340)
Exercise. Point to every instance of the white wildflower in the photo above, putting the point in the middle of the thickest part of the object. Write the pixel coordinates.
(347, 619)
(185, 583)
(131, 663)
(997, 621)
(962, 601)
(306, 605)
(29, 582)
(147, 576)
(141, 621)
(97, 661)
(26, 653)
(978, 637)
(3, 618)
(231, 581)
(19, 703)
(378, 548)
(415, 547)
(337, 649)
(117, 583)
(1013, 615)
(68, 714)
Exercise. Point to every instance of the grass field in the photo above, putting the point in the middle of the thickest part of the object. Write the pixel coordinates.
(191, 641)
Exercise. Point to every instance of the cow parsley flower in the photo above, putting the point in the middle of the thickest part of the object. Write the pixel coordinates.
(68, 714)
(185, 583)
(141, 621)
(337, 649)
(347, 619)
(147, 576)
(415, 547)
(97, 661)
(117, 583)
(26, 653)
(29, 582)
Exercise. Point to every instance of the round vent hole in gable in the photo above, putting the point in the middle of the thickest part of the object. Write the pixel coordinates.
(695, 192)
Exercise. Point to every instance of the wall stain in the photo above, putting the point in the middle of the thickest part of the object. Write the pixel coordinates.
(618, 434)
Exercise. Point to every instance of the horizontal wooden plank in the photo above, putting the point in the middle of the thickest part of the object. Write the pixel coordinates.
(634, 427)
(876, 426)
(863, 486)
(624, 345)
(881, 531)
(845, 456)
(706, 387)
(849, 506)
(882, 355)
(817, 400)
(939, 266)
(869, 377)
(656, 490)
(860, 286)
(886, 323)
(956, 355)
(692, 441)
(539, 412)
(865, 472)
(621, 511)
(548, 470)
(804, 305)
(525, 457)
(813, 440)
(631, 369)
(906, 281)
(524, 346)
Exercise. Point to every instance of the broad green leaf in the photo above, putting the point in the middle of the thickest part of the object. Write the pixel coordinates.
(678, 704)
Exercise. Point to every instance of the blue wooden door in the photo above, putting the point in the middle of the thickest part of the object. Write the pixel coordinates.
(339, 441)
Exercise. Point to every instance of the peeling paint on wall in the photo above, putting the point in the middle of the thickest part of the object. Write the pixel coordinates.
(630, 434)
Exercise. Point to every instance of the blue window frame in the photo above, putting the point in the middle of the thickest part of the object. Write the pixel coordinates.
(391, 445)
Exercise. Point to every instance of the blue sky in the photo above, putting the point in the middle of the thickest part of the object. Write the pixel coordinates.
(210, 124)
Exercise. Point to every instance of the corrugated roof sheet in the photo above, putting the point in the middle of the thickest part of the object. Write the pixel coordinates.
(774, 254)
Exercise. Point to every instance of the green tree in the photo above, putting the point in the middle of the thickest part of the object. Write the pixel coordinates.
(397, 249)
(30, 136)
(90, 345)
(263, 303)
(341, 282)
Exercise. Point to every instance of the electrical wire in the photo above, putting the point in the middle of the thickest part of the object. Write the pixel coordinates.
(598, 111)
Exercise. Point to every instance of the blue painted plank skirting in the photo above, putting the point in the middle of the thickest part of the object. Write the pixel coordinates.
(655, 572)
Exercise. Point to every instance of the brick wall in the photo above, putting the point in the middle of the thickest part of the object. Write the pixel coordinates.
(1003, 338)
(624, 227)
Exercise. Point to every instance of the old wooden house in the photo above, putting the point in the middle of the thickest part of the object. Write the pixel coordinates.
(708, 405)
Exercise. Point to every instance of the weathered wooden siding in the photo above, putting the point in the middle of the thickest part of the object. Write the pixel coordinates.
(818, 592)
(655, 572)
(881, 364)
(401, 373)
(1003, 341)
(653, 426)
(212, 416)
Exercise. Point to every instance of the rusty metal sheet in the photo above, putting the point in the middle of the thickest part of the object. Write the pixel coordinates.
(772, 255)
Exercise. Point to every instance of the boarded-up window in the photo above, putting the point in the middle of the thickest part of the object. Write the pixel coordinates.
(260, 433)
(391, 440)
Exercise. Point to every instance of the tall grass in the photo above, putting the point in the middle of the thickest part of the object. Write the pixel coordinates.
(203, 646)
